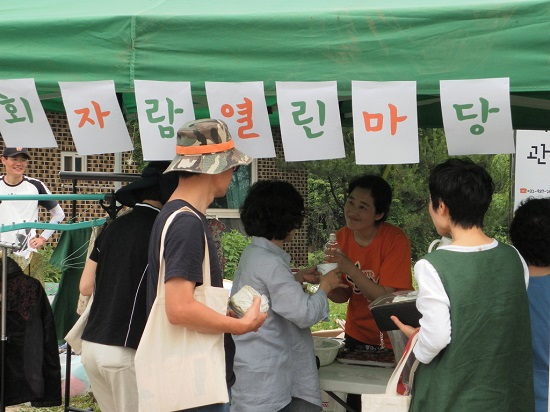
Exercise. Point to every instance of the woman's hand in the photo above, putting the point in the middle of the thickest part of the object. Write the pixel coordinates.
(253, 317)
(344, 264)
(406, 329)
(332, 280)
(308, 275)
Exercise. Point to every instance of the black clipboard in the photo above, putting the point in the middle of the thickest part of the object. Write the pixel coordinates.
(405, 310)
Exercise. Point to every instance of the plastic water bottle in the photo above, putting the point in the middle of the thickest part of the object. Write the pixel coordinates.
(331, 245)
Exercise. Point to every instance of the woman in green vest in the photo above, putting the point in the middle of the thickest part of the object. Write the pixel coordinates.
(474, 343)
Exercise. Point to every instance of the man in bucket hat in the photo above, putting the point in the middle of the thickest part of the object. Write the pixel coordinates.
(205, 160)
(16, 182)
(116, 273)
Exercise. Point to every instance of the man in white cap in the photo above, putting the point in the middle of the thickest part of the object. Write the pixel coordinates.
(205, 161)
(15, 182)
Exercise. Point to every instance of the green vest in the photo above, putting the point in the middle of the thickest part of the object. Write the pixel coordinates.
(487, 366)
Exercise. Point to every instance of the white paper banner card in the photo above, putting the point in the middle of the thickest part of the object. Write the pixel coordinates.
(23, 122)
(242, 106)
(310, 120)
(385, 124)
(95, 117)
(163, 107)
(476, 116)
(532, 165)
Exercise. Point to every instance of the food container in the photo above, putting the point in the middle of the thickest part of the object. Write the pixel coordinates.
(241, 301)
(326, 349)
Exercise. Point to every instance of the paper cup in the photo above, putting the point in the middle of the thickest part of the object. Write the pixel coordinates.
(324, 268)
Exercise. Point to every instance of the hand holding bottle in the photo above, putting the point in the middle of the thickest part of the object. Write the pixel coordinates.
(334, 254)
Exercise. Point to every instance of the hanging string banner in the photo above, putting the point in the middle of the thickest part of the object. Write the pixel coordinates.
(242, 106)
(385, 125)
(23, 122)
(477, 116)
(163, 107)
(95, 117)
(310, 120)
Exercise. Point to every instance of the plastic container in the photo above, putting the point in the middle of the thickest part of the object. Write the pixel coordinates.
(326, 349)
(241, 301)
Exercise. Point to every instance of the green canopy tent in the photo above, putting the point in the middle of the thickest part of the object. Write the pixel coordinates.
(310, 40)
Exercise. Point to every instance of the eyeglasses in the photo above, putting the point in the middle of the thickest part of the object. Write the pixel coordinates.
(235, 168)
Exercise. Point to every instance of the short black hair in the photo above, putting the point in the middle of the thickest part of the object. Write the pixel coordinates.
(465, 187)
(530, 231)
(380, 191)
(272, 209)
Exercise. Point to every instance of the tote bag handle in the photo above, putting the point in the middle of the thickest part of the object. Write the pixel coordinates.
(391, 388)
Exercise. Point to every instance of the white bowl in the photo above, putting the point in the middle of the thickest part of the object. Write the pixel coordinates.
(326, 349)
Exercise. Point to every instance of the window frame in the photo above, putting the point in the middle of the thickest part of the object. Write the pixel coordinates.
(73, 156)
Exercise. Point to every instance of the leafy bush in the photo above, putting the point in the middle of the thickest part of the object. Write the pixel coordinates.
(336, 311)
(233, 244)
(315, 257)
(49, 272)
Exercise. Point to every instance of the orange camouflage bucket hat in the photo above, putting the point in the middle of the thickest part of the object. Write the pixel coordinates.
(206, 146)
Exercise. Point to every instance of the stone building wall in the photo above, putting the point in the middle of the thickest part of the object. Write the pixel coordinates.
(267, 169)
(45, 164)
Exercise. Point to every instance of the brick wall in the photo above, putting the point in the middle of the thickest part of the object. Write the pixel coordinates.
(45, 164)
(267, 169)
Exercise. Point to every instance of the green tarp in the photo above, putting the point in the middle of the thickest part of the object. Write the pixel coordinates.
(307, 40)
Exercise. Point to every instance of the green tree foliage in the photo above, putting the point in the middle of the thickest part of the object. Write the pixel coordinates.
(233, 244)
(48, 272)
(327, 184)
(137, 152)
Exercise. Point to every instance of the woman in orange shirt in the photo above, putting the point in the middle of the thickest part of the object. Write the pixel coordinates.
(376, 258)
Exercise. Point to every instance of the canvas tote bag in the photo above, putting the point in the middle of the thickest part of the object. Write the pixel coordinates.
(74, 336)
(176, 367)
(393, 401)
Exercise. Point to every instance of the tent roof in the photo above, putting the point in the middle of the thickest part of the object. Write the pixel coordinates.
(310, 40)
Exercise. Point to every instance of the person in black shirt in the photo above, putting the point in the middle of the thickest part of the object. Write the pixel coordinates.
(116, 273)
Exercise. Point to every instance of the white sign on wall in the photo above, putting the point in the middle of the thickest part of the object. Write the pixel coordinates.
(532, 176)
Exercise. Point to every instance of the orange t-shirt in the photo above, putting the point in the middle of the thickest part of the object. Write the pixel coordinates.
(386, 261)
